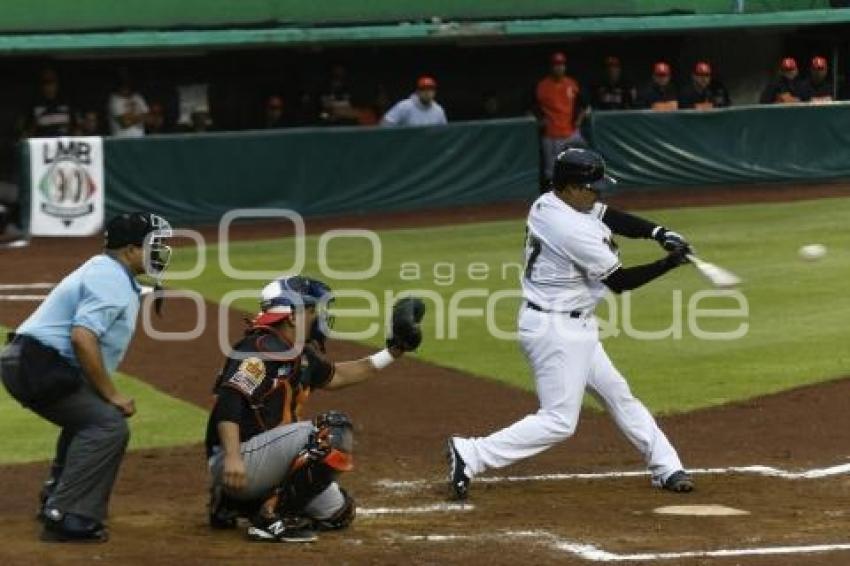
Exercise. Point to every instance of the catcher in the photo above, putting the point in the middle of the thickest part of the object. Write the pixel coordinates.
(266, 465)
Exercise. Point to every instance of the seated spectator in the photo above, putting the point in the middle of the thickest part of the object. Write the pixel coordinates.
(127, 110)
(156, 119)
(613, 93)
(335, 99)
(419, 109)
(491, 107)
(787, 88)
(703, 92)
(561, 109)
(50, 115)
(818, 88)
(660, 94)
(201, 120)
(88, 124)
(274, 114)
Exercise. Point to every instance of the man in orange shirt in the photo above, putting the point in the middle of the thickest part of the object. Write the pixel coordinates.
(561, 108)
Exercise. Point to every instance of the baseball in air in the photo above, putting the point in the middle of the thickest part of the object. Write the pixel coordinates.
(812, 252)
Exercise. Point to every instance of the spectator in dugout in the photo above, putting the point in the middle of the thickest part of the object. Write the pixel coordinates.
(817, 88)
(274, 116)
(419, 109)
(703, 92)
(787, 88)
(613, 93)
(128, 111)
(561, 108)
(660, 94)
(88, 124)
(51, 114)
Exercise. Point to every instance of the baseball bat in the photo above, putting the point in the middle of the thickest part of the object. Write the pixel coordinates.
(719, 277)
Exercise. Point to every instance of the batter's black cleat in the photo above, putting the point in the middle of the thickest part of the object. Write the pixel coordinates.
(72, 528)
(458, 480)
(222, 514)
(679, 482)
(280, 529)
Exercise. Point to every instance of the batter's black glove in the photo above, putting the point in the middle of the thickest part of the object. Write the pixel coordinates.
(672, 241)
(405, 333)
(677, 257)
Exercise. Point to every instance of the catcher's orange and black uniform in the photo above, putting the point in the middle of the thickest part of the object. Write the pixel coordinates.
(261, 386)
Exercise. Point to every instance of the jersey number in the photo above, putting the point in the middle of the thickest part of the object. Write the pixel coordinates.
(532, 251)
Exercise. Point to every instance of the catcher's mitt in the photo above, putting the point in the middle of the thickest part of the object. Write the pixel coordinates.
(405, 333)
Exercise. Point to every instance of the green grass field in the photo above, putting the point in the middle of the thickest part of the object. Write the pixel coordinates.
(161, 420)
(796, 323)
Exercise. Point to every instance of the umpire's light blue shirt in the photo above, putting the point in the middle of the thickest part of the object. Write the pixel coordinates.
(101, 295)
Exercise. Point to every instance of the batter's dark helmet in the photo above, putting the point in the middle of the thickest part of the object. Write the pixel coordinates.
(578, 166)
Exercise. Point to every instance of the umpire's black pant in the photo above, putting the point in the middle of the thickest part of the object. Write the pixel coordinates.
(94, 433)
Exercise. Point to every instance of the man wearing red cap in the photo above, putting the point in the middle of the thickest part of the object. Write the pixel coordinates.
(660, 93)
(817, 89)
(420, 109)
(787, 88)
(561, 110)
(613, 93)
(704, 92)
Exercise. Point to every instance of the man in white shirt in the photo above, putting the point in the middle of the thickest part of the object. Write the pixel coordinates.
(571, 262)
(420, 109)
(127, 111)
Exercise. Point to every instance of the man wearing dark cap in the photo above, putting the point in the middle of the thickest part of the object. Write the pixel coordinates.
(59, 363)
(660, 94)
(817, 88)
(613, 93)
(419, 109)
(704, 91)
(787, 88)
(561, 108)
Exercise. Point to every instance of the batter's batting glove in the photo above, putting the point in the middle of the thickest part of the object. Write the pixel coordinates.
(405, 333)
(671, 241)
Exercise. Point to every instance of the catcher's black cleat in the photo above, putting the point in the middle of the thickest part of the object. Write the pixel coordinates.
(458, 480)
(678, 482)
(72, 528)
(280, 529)
(222, 515)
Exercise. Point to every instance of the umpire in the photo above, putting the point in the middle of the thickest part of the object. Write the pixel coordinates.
(58, 364)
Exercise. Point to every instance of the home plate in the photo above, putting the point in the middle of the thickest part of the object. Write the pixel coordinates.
(700, 510)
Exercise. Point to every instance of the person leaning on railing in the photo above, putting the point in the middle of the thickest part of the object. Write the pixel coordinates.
(704, 91)
(787, 88)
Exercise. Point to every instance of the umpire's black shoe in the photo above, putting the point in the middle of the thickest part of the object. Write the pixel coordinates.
(679, 482)
(280, 529)
(47, 490)
(72, 528)
(458, 480)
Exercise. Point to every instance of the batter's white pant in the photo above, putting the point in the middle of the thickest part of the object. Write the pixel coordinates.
(567, 357)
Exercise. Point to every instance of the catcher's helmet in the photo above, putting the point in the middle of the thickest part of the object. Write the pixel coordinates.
(282, 297)
(578, 166)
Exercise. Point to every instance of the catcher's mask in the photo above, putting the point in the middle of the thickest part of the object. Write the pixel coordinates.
(333, 441)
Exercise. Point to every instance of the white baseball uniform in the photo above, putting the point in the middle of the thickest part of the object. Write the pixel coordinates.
(568, 254)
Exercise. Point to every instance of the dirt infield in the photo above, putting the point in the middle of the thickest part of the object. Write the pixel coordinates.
(402, 419)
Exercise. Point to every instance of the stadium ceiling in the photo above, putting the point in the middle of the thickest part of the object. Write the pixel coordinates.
(430, 32)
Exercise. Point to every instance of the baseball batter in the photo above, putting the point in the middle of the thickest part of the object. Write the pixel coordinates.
(266, 465)
(571, 262)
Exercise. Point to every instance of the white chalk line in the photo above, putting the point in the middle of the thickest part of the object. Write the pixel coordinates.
(415, 510)
(22, 297)
(14, 286)
(595, 554)
(814, 473)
